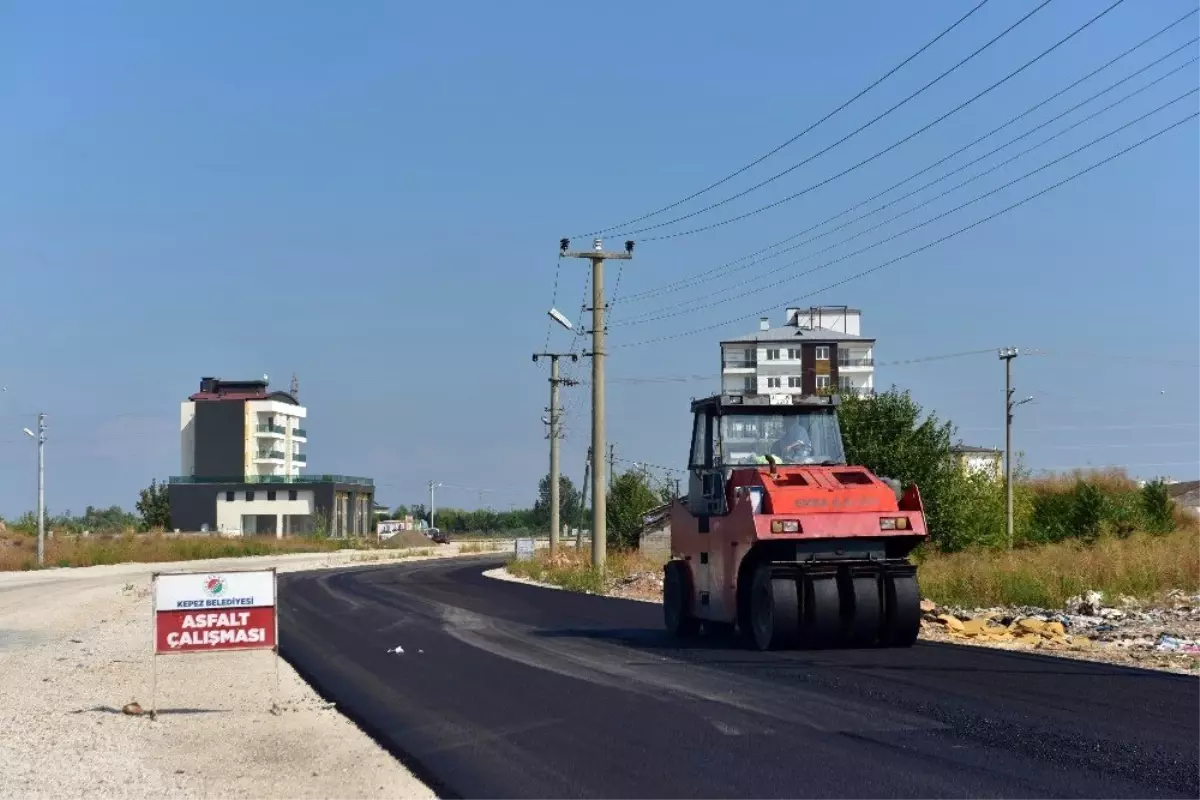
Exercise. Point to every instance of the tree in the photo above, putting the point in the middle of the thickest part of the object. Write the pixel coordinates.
(401, 512)
(155, 506)
(628, 500)
(887, 435)
(570, 503)
(1157, 506)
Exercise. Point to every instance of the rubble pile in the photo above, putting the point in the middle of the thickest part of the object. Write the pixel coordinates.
(639, 586)
(1164, 635)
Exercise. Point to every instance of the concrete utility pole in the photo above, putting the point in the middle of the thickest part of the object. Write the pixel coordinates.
(554, 436)
(432, 504)
(41, 501)
(599, 497)
(1007, 355)
(587, 471)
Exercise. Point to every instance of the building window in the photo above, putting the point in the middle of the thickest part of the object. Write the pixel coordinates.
(793, 354)
(773, 355)
(270, 495)
(229, 497)
(823, 353)
(291, 494)
(794, 382)
(773, 383)
(249, 496)
(822, 381)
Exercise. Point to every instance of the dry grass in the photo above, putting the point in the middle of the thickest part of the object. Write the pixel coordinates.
(1140, 565)
(572, 569)
(377, 555)
(481, 547)
(1108, 480)
(19, 551)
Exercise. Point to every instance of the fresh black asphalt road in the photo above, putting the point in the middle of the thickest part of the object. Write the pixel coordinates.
(511, 690)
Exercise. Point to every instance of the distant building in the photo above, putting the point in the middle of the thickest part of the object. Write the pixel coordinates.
(980, 460)
(816, 349)
(241, 468)
(1186, 494)
(655, 536)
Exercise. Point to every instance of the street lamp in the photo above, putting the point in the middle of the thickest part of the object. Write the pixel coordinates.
(558, 317)
(40, 437)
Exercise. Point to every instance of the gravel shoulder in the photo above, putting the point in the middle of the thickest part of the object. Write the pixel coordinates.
(1163, 637)
(75, 647)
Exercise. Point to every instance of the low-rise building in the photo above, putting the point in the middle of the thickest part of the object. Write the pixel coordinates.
(242, 468)
(979, 460)
(815, 350)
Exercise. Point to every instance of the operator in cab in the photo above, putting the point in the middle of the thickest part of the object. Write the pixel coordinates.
(794, 446)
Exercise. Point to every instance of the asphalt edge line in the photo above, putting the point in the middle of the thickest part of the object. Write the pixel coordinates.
(502, 574)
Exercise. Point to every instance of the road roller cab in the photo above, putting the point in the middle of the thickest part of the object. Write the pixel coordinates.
(781, 539)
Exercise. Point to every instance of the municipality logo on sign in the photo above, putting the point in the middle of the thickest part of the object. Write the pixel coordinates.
(214, 586)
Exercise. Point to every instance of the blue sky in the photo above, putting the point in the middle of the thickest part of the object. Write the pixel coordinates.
(370, 195)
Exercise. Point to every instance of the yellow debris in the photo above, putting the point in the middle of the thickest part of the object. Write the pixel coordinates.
(1054, 629)
(1031, 625)
(974, 627)
(951, 622)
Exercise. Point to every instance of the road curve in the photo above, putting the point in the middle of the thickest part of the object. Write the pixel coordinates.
(510, 690)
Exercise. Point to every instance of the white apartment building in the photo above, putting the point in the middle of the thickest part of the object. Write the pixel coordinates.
(816, 349)
(248, 433)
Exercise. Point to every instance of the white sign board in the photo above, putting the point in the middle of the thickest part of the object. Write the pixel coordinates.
(524, 549)
(184, 592)
(388, 528)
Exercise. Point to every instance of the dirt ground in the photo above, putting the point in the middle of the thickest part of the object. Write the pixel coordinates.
(75, 649)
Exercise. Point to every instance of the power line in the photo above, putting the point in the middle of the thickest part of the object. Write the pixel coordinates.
(929, 245)
(823, 119)
(867, 160)
(648, 465)
(692, 306)
(553, 300)
(1088, 428)
(699, 279)
(669, 287)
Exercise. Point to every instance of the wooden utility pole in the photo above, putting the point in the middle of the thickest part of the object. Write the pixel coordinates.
(554, 436)
(599, 495)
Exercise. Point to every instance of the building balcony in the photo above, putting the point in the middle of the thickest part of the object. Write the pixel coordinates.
(269, 455)
(300, 458)
(299, 433)
(856, 363)
(270, 430)
(739, 366)
(350, 480)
